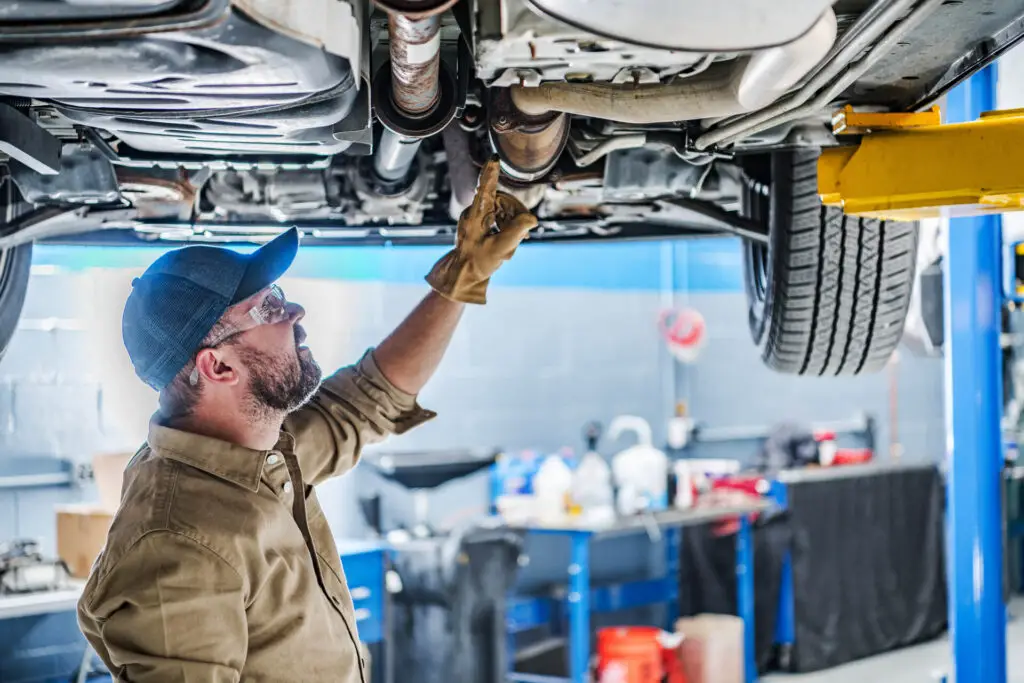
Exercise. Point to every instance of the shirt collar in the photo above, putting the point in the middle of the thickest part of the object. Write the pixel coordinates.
(231, 462)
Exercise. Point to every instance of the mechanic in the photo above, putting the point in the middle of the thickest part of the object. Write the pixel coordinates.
(219, 564)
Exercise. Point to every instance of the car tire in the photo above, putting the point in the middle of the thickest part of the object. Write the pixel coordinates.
(15, 263)
(14, 272)
(829, 293)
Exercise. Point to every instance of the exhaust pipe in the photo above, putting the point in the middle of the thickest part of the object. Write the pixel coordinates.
(414, 95)
(395, 156)
(415, 60)
(719, 92)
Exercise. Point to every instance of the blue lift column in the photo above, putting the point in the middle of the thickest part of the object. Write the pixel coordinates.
(973, 297)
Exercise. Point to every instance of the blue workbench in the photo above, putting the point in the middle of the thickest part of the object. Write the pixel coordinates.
(583, 599)
(364, 563)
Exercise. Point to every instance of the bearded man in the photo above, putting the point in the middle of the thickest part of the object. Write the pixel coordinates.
(219, 564)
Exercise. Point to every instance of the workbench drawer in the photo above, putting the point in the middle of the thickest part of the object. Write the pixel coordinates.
(364, 572)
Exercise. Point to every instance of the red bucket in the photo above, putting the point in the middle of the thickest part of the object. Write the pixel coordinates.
(630, 654)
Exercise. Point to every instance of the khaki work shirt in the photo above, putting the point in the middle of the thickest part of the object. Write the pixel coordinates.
(219, 564)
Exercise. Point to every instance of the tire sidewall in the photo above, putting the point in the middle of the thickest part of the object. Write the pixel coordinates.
(15, 264)
(15, 267)
(758, 203)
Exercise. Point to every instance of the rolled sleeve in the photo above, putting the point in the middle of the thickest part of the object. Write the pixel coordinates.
(353, 408)
(170, 609)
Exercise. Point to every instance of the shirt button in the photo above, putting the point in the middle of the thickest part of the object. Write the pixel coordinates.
(272, 459)
(287, 488)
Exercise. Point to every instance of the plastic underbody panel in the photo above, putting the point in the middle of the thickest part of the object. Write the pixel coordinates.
(235, 87)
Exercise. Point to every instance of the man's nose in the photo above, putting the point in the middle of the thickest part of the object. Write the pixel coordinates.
(295, 312)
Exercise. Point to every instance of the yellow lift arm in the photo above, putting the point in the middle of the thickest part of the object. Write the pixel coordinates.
(909, 166)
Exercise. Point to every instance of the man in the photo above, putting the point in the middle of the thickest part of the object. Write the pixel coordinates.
(219, 564)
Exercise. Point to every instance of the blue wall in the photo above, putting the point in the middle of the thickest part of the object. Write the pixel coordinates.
(697, 265)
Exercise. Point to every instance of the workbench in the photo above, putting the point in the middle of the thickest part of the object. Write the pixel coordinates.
(36, 604)
(583, 599)
(836, 569)
(365, 564)
(39, 635)
(855, 559)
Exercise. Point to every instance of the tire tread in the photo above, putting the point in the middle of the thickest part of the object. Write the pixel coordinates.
(840, 286)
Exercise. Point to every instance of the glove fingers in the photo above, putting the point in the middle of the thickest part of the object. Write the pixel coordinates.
(513, 216)
(520, 225)
(512, 233)
(508, 207)
(484, 200)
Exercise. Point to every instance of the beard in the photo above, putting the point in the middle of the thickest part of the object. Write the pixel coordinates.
(281, 383)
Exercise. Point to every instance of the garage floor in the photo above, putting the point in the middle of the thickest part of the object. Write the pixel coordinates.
(921, 664)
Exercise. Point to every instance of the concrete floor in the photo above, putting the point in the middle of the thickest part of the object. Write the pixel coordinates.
(922, 664)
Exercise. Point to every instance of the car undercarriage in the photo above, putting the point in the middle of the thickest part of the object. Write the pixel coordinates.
(224, 121)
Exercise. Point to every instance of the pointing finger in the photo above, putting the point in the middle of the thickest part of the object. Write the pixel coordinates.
(483, 201)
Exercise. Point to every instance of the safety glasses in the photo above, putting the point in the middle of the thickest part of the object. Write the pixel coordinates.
(271, 309)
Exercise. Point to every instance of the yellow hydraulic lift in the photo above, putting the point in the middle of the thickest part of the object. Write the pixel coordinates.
(909, 166)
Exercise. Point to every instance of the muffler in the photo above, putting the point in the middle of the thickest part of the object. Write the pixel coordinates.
(528, 146)
(721, 91)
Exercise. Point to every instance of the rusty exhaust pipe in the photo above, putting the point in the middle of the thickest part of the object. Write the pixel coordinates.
(415, 60)
(414, 95)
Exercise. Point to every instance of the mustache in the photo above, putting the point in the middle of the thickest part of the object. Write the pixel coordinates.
(300, 334)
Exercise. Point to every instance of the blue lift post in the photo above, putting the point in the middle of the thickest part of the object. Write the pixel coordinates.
(973, 291)
(745, 596)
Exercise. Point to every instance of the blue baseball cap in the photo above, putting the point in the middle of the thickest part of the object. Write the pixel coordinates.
(183, 294)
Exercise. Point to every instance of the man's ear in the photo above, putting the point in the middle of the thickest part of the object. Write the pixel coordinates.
(214, 368)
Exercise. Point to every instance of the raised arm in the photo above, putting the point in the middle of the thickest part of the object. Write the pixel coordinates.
(366, 402)
(409, 356)
(489, 232)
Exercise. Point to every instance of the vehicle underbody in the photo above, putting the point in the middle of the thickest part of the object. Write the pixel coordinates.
(218, 121)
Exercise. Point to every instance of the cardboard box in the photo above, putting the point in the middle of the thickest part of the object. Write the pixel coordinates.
(82, 529)
(81, 534)
(712, 648)
(108, 472)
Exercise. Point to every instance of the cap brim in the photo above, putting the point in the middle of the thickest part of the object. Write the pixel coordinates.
(267, 264)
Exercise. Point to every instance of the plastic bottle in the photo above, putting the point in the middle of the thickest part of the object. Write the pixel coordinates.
(826, 447)
(680, 428)
(512, 486)
(552, 486)
(592, 488)
(641, 471)
(684, 485)
(514, 473)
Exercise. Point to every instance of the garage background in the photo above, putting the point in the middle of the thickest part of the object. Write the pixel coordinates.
(570, 335)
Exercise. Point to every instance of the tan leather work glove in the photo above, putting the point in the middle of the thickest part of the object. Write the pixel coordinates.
(463, 273)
